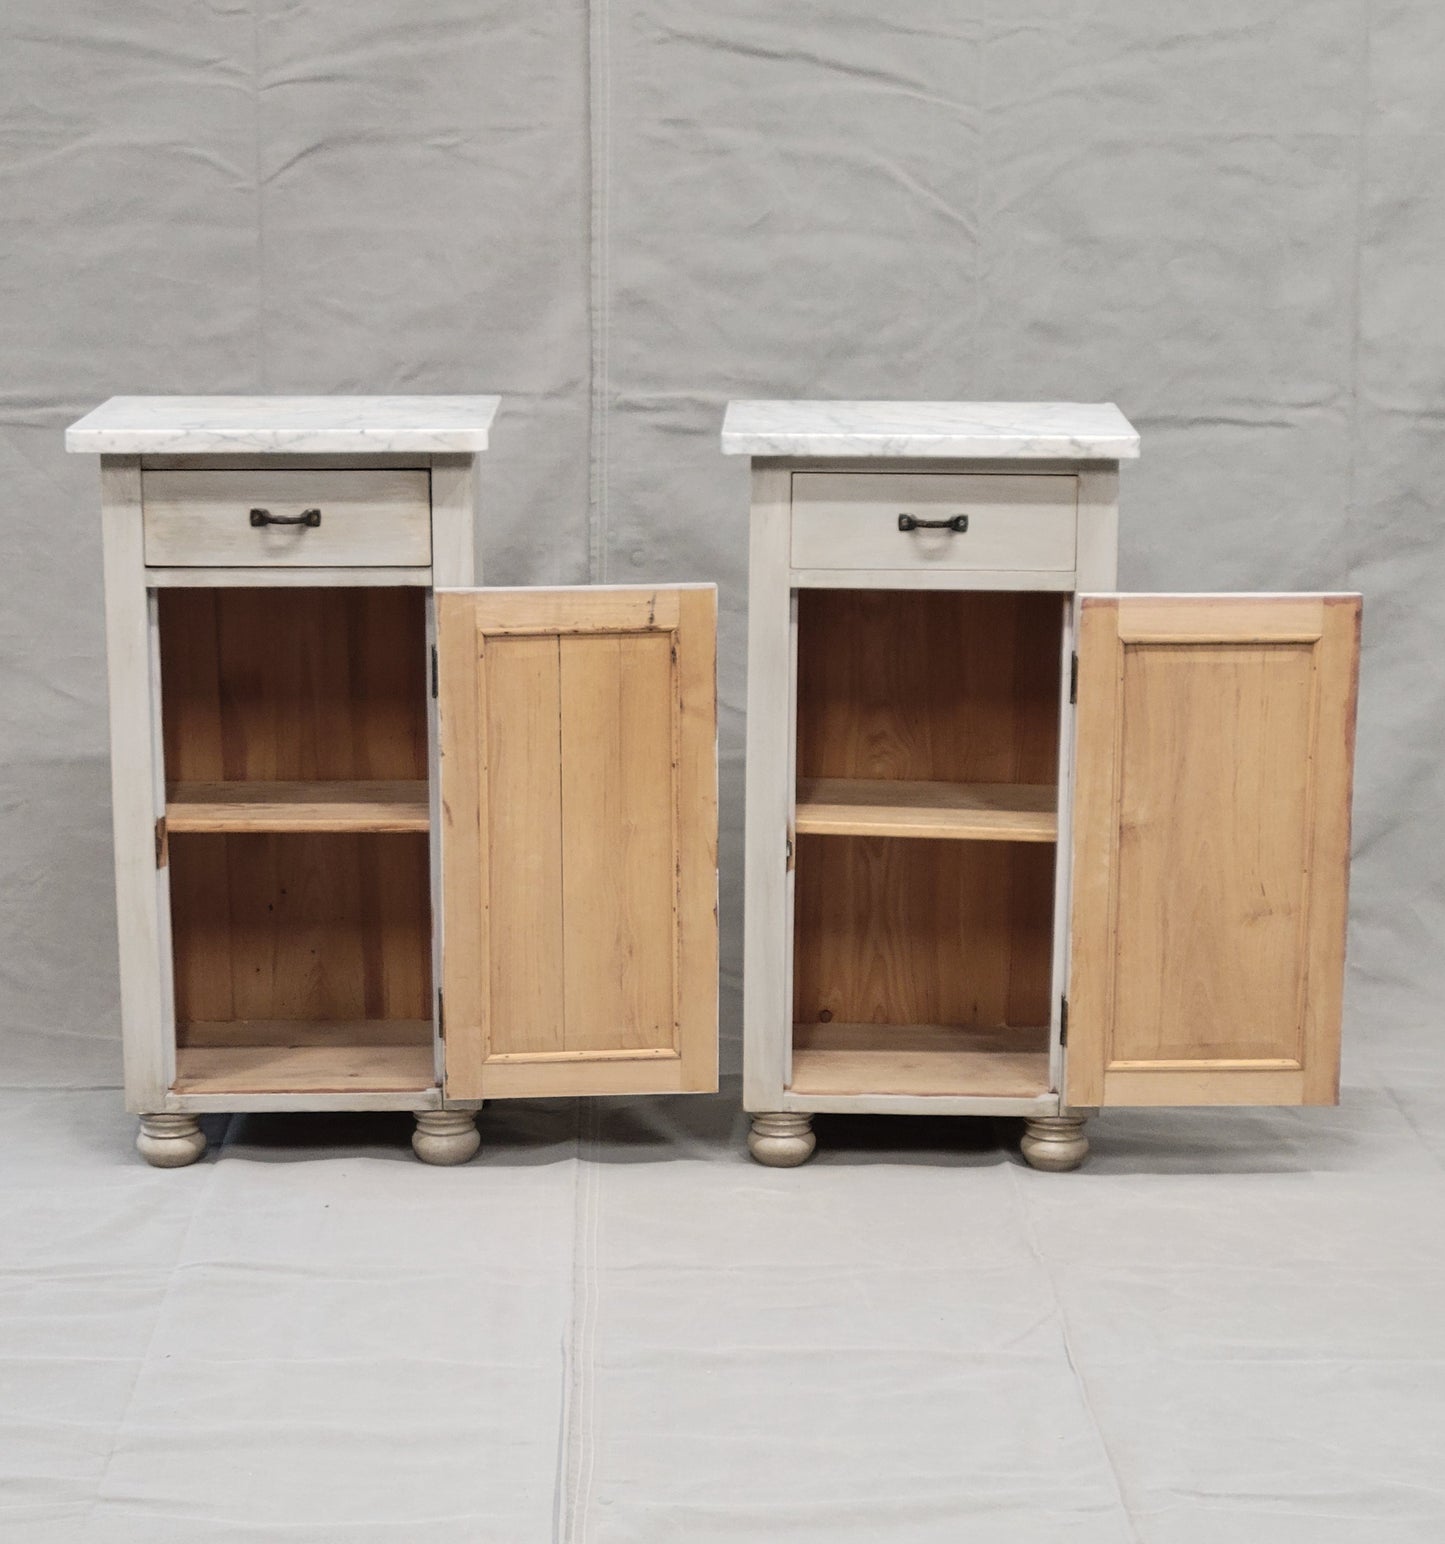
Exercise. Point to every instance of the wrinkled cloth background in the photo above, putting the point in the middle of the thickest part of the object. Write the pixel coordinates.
(1227, 218)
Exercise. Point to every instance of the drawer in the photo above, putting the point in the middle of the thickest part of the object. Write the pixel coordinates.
(1014, 523)
(352, 519)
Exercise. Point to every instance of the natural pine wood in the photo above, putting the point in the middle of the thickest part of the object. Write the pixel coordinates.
(919, 932)
(579, 840)
(317, 806)
(1013, 812)
(929, 686)
(294, 685)
(301, 927)
(943, 1059)
(1211, 842)
(286, 1056)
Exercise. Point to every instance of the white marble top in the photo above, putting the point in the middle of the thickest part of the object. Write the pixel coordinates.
(134, 426)
(1075, 431)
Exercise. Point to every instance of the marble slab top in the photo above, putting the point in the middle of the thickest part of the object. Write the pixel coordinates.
(183, 426)
(1073, 431)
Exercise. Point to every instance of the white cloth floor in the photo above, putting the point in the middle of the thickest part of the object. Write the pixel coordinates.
(612, 1326)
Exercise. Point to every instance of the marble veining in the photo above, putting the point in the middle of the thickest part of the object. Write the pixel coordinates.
(1075, 431)
(133, 426)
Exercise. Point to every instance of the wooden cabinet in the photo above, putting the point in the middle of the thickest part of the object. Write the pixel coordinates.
(385, 840)
(1016, 844)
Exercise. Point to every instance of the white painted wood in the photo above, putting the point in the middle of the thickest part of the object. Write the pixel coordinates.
(170, 1141)
(445, 1136)
(131, 426)
(1097, 562)
(367, 519)
(767, 938)
(850, 520)
(382, 1099)
(782, 1141)
(142, 898)
(236, 462)
(1054, 1143)
(454, 516)
(1063, 852)
(930, 579)
(282, 578)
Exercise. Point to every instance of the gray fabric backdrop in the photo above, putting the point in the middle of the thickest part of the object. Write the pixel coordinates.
(1227, 218)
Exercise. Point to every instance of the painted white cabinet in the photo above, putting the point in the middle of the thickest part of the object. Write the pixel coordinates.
(1018, 844)
(345, 780)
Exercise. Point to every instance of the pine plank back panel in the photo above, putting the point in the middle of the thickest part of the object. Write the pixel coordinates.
(579, 840)
(323, 926)
(1215, 740)
(293, 685)
(937, 686)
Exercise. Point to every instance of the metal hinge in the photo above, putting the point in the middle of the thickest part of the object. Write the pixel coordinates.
(441, 1017)
(162, 843)
(1063, 1021)
(433, 670)
(788, 852)
(1074, 678)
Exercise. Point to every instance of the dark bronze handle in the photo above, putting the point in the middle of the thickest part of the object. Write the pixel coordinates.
(957, 523)
(307, 517)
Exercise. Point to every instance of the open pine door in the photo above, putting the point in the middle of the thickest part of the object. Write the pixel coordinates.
(1211, 830)
(578, 733)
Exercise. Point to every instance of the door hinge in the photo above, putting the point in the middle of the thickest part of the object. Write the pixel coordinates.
(433, 670)
(1074, 677)
(162, 843)
(788, 852)
(441, 1017)
(1063, 1021)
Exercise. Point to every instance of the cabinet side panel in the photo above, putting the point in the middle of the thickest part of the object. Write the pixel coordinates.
(619, 831)
(521, 713)
(767, 941)
(142, 896)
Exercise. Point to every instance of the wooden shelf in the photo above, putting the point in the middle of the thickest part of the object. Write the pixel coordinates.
(328, 806)
(938, 1059)
(981, 812)
(281, 1056)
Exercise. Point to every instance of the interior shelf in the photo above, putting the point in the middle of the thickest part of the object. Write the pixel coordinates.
(989, 812)
(393, 805)
(285, 1056)
(937, 1059)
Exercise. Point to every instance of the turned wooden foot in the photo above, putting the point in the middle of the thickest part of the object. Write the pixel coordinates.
(1055, 1142)
(445, 1136)
(170, 1141)
(782, 1141)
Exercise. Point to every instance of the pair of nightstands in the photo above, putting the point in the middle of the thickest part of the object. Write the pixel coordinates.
(387, 840)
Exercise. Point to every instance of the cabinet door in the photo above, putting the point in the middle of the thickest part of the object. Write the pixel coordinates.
(1211, 832)
(578, 733)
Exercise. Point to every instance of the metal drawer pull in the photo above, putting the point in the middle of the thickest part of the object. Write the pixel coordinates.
(958, 523)
(307, 517)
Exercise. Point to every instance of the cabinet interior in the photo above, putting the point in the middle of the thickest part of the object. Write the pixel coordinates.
(294, 723)
(927, 761)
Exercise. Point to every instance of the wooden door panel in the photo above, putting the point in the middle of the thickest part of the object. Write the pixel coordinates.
(579, 840)
(1214, 750)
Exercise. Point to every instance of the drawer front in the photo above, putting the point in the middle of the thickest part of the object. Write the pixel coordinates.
(285, 519)
(1013, 523)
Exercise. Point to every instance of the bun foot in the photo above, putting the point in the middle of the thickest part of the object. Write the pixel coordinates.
(445, 1136)
(170, 1141)
(782, 1141)
(1055, 1143)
